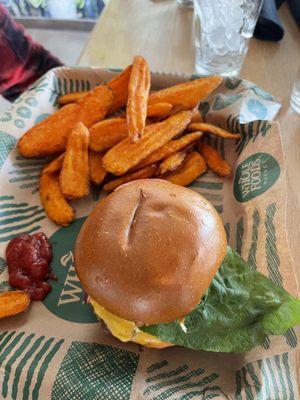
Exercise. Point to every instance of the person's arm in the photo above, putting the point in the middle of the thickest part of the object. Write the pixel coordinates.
(22, 60)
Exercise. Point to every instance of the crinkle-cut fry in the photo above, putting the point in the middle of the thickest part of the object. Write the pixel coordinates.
(214, 160)
(180, 107)
(71, 97)
(13, 302)
(159, 110)
(127, 155)
(171, 147)
(193, 166)
(144, 173)
(56, 206)
(55, 165)
(177, 107)
(172, 162)
(138, 92)
(107, 133)
(203, 126)
(94, 106)
(187, 94)
(97, 171)
(74, 175)
(119, 86)
(50, 135)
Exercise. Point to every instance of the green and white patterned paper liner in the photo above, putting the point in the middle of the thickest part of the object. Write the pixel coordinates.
(57, 350)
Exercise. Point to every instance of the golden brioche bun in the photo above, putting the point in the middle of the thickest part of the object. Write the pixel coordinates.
(148, 251)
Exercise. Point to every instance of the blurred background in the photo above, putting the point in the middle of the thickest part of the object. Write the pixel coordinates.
(55, 23)
(60, 26)
(67, 9)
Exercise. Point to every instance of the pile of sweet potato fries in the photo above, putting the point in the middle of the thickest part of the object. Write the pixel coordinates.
(159, 135)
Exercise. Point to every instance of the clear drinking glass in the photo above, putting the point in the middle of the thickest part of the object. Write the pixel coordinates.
(186, 3)
(222, 29)
(295, 97)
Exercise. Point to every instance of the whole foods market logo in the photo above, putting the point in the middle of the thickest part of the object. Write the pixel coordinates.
(67, 300)
(255, 175)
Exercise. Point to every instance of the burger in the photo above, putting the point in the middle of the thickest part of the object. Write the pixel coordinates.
(154, 261)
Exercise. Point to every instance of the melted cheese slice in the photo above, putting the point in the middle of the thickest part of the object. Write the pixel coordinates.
(125, 330)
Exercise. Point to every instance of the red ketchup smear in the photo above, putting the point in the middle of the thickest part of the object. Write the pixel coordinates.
(28, 258)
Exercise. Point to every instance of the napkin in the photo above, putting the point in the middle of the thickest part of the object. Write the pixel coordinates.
(269, 26)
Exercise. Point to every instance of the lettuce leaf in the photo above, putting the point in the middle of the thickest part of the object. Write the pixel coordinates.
(240, 308)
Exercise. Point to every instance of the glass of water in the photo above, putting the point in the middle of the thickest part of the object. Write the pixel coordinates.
(222, 29)
(295, 97)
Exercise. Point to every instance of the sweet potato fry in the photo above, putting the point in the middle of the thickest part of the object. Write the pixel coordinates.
(196, 116)
(55, 165)
(168, 149)
(127, 155)
(177, 108)
(187, 94)
(70, 97)
(95, 105)
(193, 166)
(74, 176)
(158, 110)
(138, 92)
(107, 133)
(13, 302)
(97, 171)
(119, 86)
(202, 126)
(50, 135)
(147, 172)
(56, 206)
(172, 162)
(214, 160)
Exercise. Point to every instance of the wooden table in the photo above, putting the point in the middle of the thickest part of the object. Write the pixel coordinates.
(162, 32)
